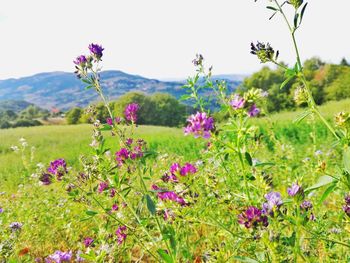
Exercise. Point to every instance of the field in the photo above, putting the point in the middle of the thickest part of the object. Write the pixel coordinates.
(53, 221)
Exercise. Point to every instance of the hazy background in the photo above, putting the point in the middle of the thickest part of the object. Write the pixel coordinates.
(159, 38)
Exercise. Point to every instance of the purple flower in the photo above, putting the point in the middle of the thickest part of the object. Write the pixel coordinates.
(169, 177)
(88, 241)
(1, 210)
(188, 169)
(306, 205)
(121, 235)
(96, 51)
(274, 201)
(294, 190)
(253, 111)
(129, 141)
(237, 102)
(200, 125)
(112, 192)
(117, 120)
(59, 257)
(58, 168)
(102, 186)
(252, 217)
(346, 207)
(115, 207)
(130, 112)
(16, 226)
(109, 121)
(171, 196)
(46, 178)
(175, 167)
(80, 61)
(122, 155)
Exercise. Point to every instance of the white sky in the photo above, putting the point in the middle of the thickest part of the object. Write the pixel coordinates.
(159, 38)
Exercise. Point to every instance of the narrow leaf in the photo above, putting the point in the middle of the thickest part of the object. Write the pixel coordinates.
(328, 191)
(346, 159)
(272, 8)
(166, 257)
(286, 82)
(249, 159)
(322, 181)
(302, 13)
(91, 213)
(150, 205)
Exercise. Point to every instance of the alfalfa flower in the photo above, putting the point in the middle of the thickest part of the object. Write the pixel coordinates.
(346, 207)
(88, 241)
(253, 111)
(252, 217)
(58, 167)
(237, 102)
(59, 257)
(264, 52)
(121, 234)
(80, 61)
(274, 201)
(122, 155)
(200, 125)
(306, 205)
(102, 186)
(109, 121)
(187, 169)
(46, 178)
(295, 189)
(14, 226)
(96, 51)
(130, 112)
(198, 61)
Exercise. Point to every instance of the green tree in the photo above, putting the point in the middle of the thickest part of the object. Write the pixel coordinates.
(74, 115)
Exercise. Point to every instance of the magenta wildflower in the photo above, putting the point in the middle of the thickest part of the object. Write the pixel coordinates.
(117, 120)
(96, 51)
(171, 196)
(129, 141)
(169, 177)
(88, 241)
(112, 192)
(102, 186)
(130, 112)
(346, 207)
(109, 121)
(59, 257)
(58, 168)
(122, 155)
(252, 217)
(253, 111)
(294, 190)
(188, 169)
(274, 201)
(1, 210)
(115, 207)
(175, 167)
(46, 178)
(121, 235)
(237, 102)
(200, 125)
(80, 61)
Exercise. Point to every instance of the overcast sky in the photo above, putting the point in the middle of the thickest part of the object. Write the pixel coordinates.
(159, 38)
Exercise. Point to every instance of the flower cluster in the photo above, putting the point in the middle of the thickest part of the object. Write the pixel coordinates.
(237, 102)
(198, 61)
(200, 125)
(121, 234)
(58, 168)
(168, 195)
(274, 201)
(14, 226)
(176, 170)
(342, 119)
(295, 190)
(83, 62)
(59, 257)
(88, 241)
(346, 207)
(248, 101)
(131, 152)
(253, 217)
(130, 112)
(264, 52)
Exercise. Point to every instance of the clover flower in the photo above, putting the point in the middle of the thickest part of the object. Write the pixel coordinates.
(294, 190)
(200, 125)
(130, 112)
(253, 111)
(306, 205)
(171, 196)
(96, 51)
(121, 156)
(252, 217)
(59, 257)
(58, 168)
(16, 226)
(264, 52)
(115, 207)
(88, 241)
(46, 178)
(274, 201)
(198, 60)
(346, 207)
(1, 210)
(237, 102)
(109, 121)
(187, 169)
(102, 186)
(112, 192)
(121, 235)
(80, 61)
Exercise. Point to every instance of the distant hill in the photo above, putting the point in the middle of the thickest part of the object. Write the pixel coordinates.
(14, 105)
(63, 90)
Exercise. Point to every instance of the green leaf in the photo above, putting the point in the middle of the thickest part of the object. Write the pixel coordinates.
(302, 13)
(328, 191)
(185, 97)
(105, 127)
(166, 257)
(286, 81)
(346, 159)
(272, 8)
(88, 87)
(245, 259)
(264, 164)
(296, 20)
(91, 213)
(322, 181)
(248, 158)
(302, 116)
(150, 205)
